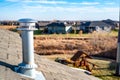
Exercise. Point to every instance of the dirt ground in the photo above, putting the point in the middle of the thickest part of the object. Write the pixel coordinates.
(98, 46)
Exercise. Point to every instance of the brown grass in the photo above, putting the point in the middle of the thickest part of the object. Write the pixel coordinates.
(99, 44)
(104, 45)
(7, 27)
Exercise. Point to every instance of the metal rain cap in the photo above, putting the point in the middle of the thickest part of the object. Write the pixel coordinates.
(27, 20)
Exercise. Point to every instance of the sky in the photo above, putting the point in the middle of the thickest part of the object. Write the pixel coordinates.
(59, 9)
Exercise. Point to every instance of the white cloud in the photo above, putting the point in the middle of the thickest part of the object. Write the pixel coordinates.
(47, 2)
(110, 3)
(54, 2)
(13, 0)
(18, 0)
(73, 8)
(73, 11)
(84, 3)
(39, 1)
(69, 13)
(89, 3)
(60, 2)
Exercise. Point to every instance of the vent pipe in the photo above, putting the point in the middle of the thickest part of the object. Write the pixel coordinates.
(27, 67)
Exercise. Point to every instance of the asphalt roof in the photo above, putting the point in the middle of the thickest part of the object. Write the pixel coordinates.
(43, 23)
(56, 24)
(11, 56)
(98, 23)
(85, 23)
(94, 23)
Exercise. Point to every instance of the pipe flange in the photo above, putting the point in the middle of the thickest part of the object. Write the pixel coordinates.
(27, 66)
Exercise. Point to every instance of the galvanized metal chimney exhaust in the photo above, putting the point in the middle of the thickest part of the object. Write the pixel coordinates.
(27, 67)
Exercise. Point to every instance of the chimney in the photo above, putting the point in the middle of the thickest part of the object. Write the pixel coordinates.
(27, 67)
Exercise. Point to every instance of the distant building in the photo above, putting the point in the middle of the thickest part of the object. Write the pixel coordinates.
(99, 26)
(83, 26)
(76, 25)
(9, 23)
(90, 26)
(42, 24)
(59, 27)
(111, 22)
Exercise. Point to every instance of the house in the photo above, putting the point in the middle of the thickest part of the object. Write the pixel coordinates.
(111, 22)
(76, 25)
(83, 26)
(90, 26)
(99, 26)
(9, 23)
(42, 24)
(59, 27)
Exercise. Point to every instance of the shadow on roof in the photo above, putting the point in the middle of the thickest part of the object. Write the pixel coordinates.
(7, 65)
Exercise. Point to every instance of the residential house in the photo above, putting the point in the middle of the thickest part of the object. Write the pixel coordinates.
(9, 23)
(83, 25)
(42, 24)
(90, 26)
(59, 27)
(99, 26)
(111, 22)
(76, 25)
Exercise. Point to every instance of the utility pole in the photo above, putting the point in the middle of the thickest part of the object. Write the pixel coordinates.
(118, 50)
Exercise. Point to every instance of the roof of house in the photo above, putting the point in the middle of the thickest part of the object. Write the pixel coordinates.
(94, 23)
(85, 23)
(11, 56)
(110, 22)
(98, 23)
(56, 24)
(43, 23)
(77, 23)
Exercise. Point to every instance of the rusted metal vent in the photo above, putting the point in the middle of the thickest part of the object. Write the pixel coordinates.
(79, 59)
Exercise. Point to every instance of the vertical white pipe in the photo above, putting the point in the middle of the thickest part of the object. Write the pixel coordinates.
(28, 49)
(27, 67)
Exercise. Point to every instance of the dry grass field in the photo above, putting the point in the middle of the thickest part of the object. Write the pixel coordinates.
(103, 45)
(99, 44)
(7, 27)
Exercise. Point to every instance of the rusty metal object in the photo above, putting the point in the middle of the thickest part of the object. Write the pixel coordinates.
(79, 60)
(79, 55)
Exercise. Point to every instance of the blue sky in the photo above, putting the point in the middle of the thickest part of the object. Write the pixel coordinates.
(59, 9)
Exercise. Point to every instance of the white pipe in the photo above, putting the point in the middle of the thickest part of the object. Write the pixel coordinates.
(28, 49)
(27, 67)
